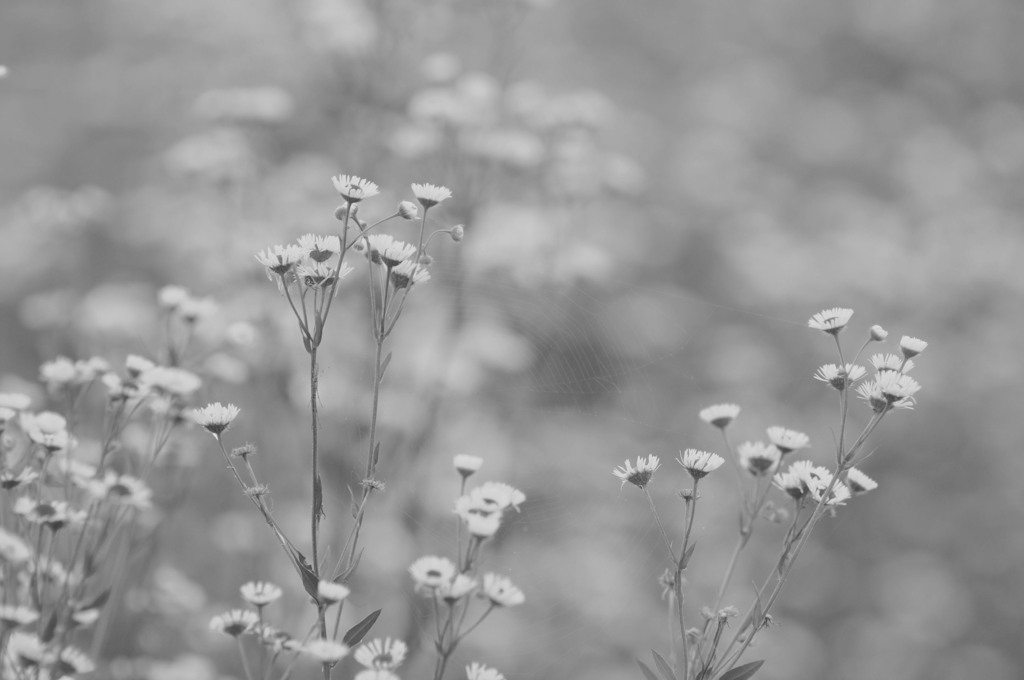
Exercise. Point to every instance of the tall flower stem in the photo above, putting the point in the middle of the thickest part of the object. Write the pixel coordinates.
(317, 508)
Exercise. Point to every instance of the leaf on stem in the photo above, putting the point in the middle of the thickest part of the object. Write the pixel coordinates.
(309, 580)
(356, 633)
(648, 673)
(384, 366)
(351, 570)
(318, 498)
(96, 602)
(50, 629)
(685, 558)
(376, 454)
(743, 672)
(663, 667)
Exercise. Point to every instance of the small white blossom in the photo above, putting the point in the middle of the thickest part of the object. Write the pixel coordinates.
(169, 297)
(15, 401)
(171, 380)
(216, 417)
(641, 475)
(431, 572)
(12, 616)
(478, 671)
(376, 674)
(386, 654)
(330, 592)
(720, 415)
(699, 463)
(326, 651)
(320, 248)
(466, 465)
(458, 588)
(911, 347)
(500, 495)
(235, 622)
(891, 362)
(430, 195)
(279, 260)
(501, 591)
(759, 458)
(260, 593)
(787, 441)
(831, 320)
(878, 334)
(354, 189)
(838, 377)
(408, 273)
(859, 483)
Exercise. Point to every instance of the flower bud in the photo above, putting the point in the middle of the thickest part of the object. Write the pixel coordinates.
(878, 334)
(408, 210)
(457, 232)
(340, 212)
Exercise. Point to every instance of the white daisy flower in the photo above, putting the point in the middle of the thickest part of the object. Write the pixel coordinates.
(46, 428)
(10, 480)
(458, 588)
(12, 616)
(877, 333)
(840, 492)
(478, 671)
(720, 415)
(321, 274)
(408, 273)
(354, 189)
(6, 415)
(122, 490)
(26, 650)
(641, 475)
(759, 458)
(839, 377)
(135, 366)
(859, 483)
(500, 495)
(13, 550)
(376, 674)
(326, 651)
(169, 297)
(279, 260)
(235, 622)
(215, 417)
(193, 309)
(911, 347)
(386, 654)
(260, 593)
(330, 592)
(699, 463)
(467, 465)
(15, 401)
(430, 195)
(171, 380)
(320, 248)
(891, 362)
(72, 661)
(501, 591)
(787, 441)
(59, 372)
(52, 514)
(831, 320)
(801, 477)
(431, 572)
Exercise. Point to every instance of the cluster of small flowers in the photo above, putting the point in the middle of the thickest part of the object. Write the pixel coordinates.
(380, 658)
(26, 655)
(452, 584)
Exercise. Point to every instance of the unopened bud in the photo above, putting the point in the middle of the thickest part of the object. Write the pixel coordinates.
(457, 232)
(408, 210)
(425, 260)
(878, 333)
(340, 212)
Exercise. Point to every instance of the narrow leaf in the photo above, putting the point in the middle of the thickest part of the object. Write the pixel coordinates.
(663, 667)
(318, 497)
(743, 672)
(97, 602)
(376, 454)
(356, 633)
(384, 365)
(685, 559)
(51, 628)
(648, 673)
(309, 580)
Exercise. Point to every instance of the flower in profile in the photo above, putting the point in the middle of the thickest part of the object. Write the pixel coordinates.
(431, 572)
(787, 441)
(831, 320)
(169, 297)
(235, 622)
(720, 415)
(859, 483)
(891, 362)
(376, 674)
(482, 517)
(47, 429)
(501, 591)
(889, 390)
(911, 347)
(478, 671)
(408, 273)
(193, 309)
(386, 654)
(354, 189)
(430, 195)
(330, 592)
(838, 496)
(216, 417)
(260, 593)
(326, 651)
(10, 480)
(171, 380)
(466, 465)
(51, 514)
(279, 260)
(500, 495)
(122, 490)
(641, 475)
(135, 366)
(699, 463)
(320, 248)
(458, 588)
(12, 616)
(72, 661)
(759, 458)
(15, 401)
(877, 333)
(839, 377)
(321, 274)
(801, 477)
(58, 373)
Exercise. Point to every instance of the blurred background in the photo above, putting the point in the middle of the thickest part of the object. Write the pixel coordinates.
(656, 196)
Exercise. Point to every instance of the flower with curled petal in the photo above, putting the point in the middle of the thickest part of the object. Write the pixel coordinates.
(720, 415)
(386, 654)
(640, 476)
(260, 593)
(699, 463)
(430, 195)
(831, 321)
(501, 591)
(354, 189)
(216, 417)
(235, 622)
(478, 671)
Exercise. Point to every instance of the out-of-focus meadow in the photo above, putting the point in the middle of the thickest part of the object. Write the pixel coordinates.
(656, 196)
